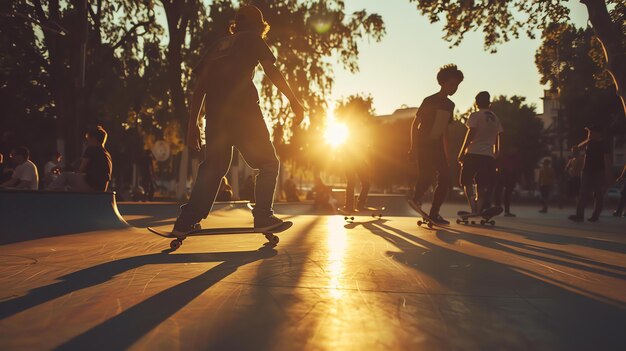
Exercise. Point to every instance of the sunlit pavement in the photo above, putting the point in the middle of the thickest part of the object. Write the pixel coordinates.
(535, 282)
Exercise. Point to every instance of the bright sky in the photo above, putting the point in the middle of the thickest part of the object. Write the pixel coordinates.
(402, 68)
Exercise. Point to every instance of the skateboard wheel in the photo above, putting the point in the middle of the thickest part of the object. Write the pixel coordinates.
(346, 218)
(272, 238)
(458, 221)
(482, 222)
(175, 244)
(430, 225)
(473, 222)
(419, 223)
(493, 223)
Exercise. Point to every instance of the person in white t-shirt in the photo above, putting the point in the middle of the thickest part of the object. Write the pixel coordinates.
(478, 154)
(25, 175)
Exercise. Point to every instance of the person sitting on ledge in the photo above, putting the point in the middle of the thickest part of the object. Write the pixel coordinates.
(25, 175)
(95, 168)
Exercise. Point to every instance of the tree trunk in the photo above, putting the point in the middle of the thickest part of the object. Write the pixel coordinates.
(610, 37)
(177, 14)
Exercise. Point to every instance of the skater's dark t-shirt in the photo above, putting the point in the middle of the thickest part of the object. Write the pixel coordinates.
(232, 61)
(434, 109)
(98, 169)
(594, 159)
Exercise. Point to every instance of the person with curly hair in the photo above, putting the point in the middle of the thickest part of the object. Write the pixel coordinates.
(429, 142)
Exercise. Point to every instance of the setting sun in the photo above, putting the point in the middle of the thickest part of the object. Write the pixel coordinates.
(336, 133)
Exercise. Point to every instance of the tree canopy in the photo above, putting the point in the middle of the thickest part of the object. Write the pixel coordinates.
(138, 64)
(501, 21)
(569, 60)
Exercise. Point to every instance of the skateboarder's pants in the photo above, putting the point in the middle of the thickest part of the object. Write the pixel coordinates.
(354, 169)
(480, 169)
(591, 183)
(251, 137)
(432, 164)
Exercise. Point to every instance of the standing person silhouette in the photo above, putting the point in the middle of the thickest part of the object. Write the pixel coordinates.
(356, 163)
(547, 179)
(596, 175)
(225, 88)
(429, 141)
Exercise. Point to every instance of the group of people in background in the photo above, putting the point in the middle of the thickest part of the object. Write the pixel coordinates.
(589, 174)
(93, 173)
(486, 174)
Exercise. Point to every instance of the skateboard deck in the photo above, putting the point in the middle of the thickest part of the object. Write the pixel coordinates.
(486, 216)
(426, 220)
(269, 234)
(367, 211)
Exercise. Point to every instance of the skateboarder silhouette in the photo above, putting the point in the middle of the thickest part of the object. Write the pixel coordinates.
(356, 162)
(429, 142)
(225, 88)
(478, 154)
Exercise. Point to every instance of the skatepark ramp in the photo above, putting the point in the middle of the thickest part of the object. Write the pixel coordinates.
(26, 214)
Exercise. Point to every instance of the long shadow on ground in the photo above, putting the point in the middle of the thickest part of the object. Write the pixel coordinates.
(490, 305)
(121, 331)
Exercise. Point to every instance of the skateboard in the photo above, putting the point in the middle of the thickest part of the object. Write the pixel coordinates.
(486, 215)
(371, 211)
(269, 234)
(426, 220)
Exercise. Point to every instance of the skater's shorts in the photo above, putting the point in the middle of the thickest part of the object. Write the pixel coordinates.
(479, 169)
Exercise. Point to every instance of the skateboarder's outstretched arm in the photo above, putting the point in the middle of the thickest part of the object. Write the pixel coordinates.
(277, 78)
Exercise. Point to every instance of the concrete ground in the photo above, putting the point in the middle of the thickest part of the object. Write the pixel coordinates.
(535, 282)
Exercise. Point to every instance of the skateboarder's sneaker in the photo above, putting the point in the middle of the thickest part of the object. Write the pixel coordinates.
(509, 214)
(576, 218)
(439, 220)
(181, 233)
(267, 223)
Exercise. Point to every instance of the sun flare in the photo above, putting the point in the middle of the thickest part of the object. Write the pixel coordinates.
(336, 133)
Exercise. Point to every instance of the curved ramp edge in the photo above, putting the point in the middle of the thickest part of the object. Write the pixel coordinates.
(27, 215)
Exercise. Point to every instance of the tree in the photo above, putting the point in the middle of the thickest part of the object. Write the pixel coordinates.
(569, 60)
(77, 44)
(24, 97)
(503, 20)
